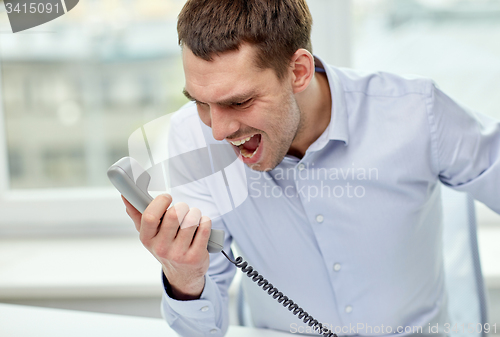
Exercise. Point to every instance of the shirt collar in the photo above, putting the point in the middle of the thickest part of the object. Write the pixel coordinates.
(337, 128)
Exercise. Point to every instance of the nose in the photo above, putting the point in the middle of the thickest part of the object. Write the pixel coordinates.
(222, 123)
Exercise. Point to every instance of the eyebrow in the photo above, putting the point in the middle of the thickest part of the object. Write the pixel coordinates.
(240, 98)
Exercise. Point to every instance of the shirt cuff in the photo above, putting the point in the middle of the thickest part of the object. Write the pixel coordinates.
(202, 308)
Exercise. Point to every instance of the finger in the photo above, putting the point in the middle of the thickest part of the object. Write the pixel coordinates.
(181, 210)
(171, 222)
(200, 241)
(150, 221)
(134, 214)
(188, 227)
(192, 218)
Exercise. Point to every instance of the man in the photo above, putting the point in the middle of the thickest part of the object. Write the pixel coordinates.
(343, 213)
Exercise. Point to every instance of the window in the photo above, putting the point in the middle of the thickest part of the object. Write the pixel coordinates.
(451, 41)
(73, 90)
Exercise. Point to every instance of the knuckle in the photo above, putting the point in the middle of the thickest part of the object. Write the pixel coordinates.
(171, 216)
(162, 252)
(193, 260)
(177, 257)
(149, 219)
(204, 231)
(166, 198)
(190, 260)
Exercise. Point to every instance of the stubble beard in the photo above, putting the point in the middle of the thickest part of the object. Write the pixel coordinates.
(287, 132)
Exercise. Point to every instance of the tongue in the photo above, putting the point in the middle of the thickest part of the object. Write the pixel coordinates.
(252, 144)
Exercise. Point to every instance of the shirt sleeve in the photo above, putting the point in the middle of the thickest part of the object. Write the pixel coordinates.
(466, 148)
(208, 315)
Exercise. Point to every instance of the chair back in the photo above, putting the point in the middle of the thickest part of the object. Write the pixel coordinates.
(463, 276)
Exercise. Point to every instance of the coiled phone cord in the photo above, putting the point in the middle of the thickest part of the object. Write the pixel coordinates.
(278, 296)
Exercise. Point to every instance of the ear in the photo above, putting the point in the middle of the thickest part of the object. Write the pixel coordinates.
(302, 67)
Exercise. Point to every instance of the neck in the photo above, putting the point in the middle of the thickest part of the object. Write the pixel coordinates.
(315, 104)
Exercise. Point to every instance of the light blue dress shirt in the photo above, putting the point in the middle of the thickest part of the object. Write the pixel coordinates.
(352, 232)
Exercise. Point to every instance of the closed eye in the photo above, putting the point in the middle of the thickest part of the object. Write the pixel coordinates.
(198, 102)
(242, 103)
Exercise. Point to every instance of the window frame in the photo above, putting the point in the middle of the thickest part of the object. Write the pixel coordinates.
(332, 30)
(56, 211)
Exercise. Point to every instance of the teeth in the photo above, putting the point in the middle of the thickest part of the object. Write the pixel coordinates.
(244, 152)
(248, 154)
(241, 142)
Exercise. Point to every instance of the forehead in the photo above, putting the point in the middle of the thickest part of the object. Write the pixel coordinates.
(226, 74)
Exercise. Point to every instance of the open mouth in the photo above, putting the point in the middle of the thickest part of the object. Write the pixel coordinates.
(248, 146)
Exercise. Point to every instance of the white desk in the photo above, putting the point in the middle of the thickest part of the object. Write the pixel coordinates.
(24, 321)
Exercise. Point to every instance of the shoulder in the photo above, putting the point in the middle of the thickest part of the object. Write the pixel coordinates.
(186, 128)
(382, 84)
(187, 114)
(185, 122)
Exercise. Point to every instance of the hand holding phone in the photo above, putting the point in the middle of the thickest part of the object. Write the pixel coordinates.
(172, 234)
(171, 245)
(135, 191)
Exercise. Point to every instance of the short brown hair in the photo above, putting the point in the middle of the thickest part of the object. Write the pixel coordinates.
(277, 27)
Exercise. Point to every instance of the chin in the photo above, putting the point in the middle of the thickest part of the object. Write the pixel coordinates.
(263, 166)
(264, 161)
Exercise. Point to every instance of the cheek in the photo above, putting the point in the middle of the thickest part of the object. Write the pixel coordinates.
(262, 117)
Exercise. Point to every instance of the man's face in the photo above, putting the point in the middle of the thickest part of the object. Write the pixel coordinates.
(243, 103)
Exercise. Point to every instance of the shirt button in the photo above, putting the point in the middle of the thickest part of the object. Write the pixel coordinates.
(319, 218)
(204, 308)
(336, 266)
(301, 167)
(213, 331)
(348, 309)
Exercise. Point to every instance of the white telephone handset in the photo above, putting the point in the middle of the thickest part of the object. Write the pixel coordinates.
(122, 175)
